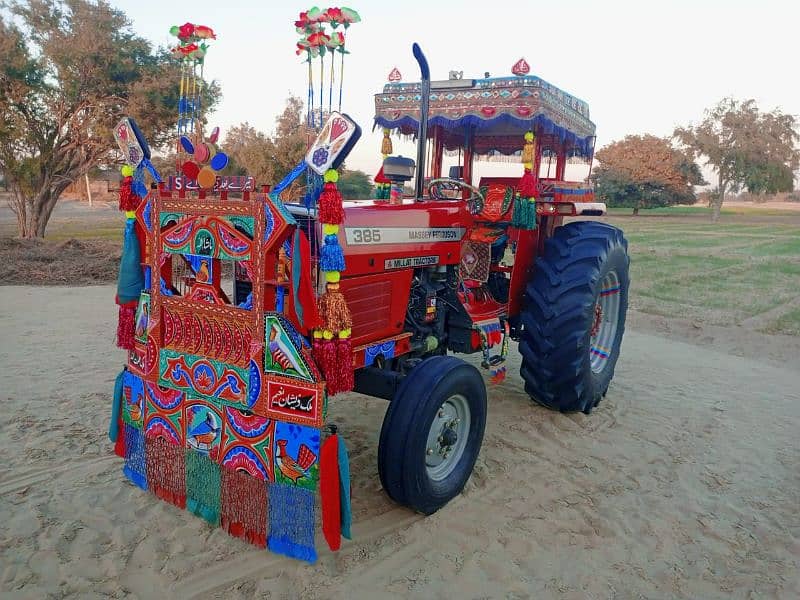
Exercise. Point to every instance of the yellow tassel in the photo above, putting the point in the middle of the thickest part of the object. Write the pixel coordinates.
(333, 310)
(386, 144)
(527, 150)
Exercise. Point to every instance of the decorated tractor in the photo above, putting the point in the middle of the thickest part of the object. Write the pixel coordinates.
(242, 313)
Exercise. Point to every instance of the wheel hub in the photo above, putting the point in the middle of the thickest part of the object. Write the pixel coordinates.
(447, 437)
(603, 332)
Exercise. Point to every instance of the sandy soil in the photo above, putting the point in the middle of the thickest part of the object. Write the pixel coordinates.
(684, 483)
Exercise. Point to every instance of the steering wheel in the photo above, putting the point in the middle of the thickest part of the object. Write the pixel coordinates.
(439, 188)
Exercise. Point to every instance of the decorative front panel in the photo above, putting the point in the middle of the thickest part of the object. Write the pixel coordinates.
(225, 237)
(208, 378)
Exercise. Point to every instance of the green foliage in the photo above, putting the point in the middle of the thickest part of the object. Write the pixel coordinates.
(270, 158)
(618, 191)
(354, 185)
(70, 70)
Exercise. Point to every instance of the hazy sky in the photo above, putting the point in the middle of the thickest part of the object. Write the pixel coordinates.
(643, 67)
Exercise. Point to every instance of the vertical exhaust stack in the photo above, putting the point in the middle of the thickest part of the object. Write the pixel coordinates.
(422, 132)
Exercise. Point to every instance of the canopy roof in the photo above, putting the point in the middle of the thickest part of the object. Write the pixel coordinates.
(496, 112)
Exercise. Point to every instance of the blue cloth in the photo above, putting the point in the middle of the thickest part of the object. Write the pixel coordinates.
(131, 278)
(116, 408)
(344, 489)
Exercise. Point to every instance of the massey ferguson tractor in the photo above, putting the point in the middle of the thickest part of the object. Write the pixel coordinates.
(465, 267)
(242, 313)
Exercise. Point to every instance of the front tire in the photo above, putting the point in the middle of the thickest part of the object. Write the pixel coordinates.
(574, 316)
(432, 433)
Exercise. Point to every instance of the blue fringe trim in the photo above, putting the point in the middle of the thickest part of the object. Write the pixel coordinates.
(135, 478)
(331, 257)
(284, 546)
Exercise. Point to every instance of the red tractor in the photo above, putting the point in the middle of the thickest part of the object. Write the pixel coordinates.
(465, 268)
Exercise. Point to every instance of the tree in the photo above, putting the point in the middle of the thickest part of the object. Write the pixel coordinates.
(251, 152)
(745, 147)
(354, 185)
(270, 159)
(645, 172)
(70, 70)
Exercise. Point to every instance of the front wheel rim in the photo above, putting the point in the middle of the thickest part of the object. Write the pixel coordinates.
(447, 437)
(605, 322)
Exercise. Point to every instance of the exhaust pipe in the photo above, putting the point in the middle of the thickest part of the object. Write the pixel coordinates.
(422, 132)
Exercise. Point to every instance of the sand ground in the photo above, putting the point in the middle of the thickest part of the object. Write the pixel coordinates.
(685, 483)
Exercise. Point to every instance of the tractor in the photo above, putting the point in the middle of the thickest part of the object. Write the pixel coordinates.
(466, 267)
(243, 312)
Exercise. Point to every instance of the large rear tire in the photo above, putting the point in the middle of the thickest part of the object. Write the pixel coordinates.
(573, 319)
(432, 433)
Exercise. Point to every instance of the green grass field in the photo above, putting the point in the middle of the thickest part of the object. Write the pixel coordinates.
(744, 270)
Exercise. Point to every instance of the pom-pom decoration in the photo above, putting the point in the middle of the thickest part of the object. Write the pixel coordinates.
(206, 160)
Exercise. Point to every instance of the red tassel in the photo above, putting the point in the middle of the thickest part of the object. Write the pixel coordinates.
(329, 492)
(119, 445)
(243, 510)
(126, 325)
(344, 365)
(328, 366)
(527, 185)
(127, 199)
(165, 467)
(330, 205)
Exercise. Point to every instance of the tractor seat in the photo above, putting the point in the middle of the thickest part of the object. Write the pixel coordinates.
(499, 203)
(493, 220)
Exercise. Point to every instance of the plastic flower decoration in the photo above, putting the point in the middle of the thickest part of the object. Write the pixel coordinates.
(319, 41)
(334, 17)
(336, 40)
(349, 16)
(186, 31)
(204, 33)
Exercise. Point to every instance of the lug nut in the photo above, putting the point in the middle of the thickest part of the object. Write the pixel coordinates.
(430, 451)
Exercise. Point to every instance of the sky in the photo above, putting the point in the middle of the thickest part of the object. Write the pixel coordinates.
(643, 67)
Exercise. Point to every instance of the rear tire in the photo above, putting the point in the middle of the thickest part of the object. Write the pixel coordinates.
(574, 316)
(432, 433)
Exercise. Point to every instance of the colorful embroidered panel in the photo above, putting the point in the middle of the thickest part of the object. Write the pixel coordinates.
(132, 400)
(210, 379)
(229, 237)
(297, 455)
(283, 350)
(248, 444)
(292, 400)
(211, 334)
(222, 403)
(142, 318)
(204, 423)
(164, 416)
